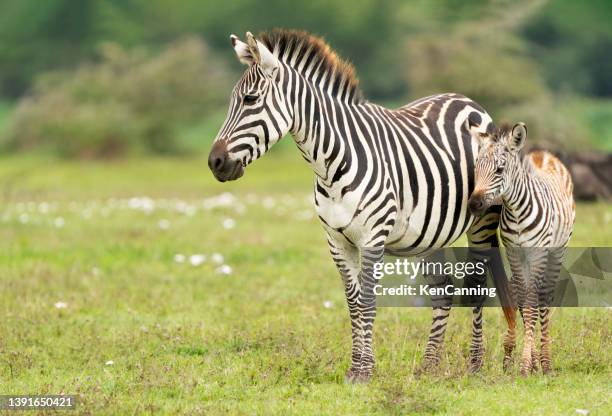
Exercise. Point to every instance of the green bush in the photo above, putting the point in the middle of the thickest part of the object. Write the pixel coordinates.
(129, 101)
(488, 61)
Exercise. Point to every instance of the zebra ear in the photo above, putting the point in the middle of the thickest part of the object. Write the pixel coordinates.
(268, 61)
(516, 140)
(262, 54)
(474, 129)
(243, 52)
(253, 47)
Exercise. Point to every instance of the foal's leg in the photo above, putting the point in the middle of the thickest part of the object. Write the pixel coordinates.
(519, 291)
(546, 290)
(483, 243)
(537, 263)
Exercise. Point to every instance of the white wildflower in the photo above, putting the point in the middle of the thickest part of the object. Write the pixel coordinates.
(43, 207)
(268, 202)
(163, 224)
(223, 200)
(179, 258)
(60, 305)
(197, 259)
(328, 304)
(229, 223)
(224, 269)
(217, 258)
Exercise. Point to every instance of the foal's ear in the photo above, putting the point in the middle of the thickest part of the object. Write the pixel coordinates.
(517, 137)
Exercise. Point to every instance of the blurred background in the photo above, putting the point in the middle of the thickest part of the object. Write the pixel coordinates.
(102, 80)
(134, 279)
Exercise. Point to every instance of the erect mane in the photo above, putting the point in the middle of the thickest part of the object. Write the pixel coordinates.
(297, 46)
(501, 132)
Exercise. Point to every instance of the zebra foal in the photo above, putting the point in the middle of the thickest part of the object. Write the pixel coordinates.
(386, 181)
(536, 224)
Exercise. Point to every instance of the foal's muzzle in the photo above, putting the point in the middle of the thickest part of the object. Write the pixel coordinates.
(477, 204)
(221, 165)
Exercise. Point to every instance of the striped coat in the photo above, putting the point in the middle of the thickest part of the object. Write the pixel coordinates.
(386, 181)
(536, 224)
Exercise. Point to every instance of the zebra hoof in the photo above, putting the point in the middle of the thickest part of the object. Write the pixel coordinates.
(428, 366)
(475, 366)
(476, 361)
(508, 361)
(525, 369)
(357, 377)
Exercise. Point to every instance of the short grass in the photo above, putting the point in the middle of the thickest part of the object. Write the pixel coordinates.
(95, 303)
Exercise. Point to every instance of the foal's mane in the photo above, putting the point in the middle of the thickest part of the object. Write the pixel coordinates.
(294, 46)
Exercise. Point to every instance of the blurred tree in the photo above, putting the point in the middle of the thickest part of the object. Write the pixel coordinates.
(129, 101)
(38, 35)
(484, 59)
(573, 42)
(487, 60)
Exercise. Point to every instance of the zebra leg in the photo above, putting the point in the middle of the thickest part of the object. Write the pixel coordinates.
(545, 358)
(518, 294)
(367, 308)
(483, 243)
(528, 343)
(431, 359)
(509, 345)
(441, 307)
(536, 262)
(476, 280)
(546, 290)
(347, 261)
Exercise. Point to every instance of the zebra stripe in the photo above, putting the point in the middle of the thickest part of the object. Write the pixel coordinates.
(536, 224)
(387, 181)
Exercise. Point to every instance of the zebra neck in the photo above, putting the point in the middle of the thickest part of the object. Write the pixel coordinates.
(518, 191)
(320, 133)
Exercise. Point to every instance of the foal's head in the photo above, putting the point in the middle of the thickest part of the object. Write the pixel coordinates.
(496, 165)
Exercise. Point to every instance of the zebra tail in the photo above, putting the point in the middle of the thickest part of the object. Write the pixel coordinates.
(500, 280)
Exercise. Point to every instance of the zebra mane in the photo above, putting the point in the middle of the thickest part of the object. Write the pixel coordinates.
(501, 132)
(296, 45)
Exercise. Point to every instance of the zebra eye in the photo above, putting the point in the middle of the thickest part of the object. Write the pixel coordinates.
(499, 170)
(250, 99)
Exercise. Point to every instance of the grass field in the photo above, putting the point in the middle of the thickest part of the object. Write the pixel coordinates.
(105, 294)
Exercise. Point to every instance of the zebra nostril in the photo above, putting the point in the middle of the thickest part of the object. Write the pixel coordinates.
(216, 160)
(218, 163)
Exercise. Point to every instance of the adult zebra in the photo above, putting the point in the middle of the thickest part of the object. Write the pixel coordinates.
(393, 181)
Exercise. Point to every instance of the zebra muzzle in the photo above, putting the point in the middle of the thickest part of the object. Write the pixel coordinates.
(219, 162)
(477, 205)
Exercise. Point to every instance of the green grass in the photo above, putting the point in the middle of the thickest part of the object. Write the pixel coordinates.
(185, 339)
